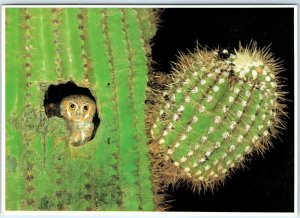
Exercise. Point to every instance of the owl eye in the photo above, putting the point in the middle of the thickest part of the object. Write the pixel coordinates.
(72, 106)
(85, 107)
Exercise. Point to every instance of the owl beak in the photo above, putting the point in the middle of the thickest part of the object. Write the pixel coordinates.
(78, 114)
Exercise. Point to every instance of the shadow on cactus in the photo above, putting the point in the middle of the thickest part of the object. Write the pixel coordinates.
(218, 109)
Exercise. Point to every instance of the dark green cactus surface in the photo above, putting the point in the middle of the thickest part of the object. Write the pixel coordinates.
(106, 51)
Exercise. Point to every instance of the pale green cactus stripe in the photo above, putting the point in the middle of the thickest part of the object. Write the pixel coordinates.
(59, 186)
(85, 48)
(20, 89)
(88, 194)
(29, 201)
(15, 80)
(69, 35)
(138, 67)
(107, 151)
(75, 42)
(146, 186)
(84, 177)
(36, 67)
(32, 58)
(78, 202)
(13, 147)
(38, 58)
(61, 57)
(80, 177)
(40, 175)
(46, 202)
(46, 38)
(138, 59)
(142, 19)
(31, 96)
(14, 183)
(13, 77)
(128, 144)
(60, 166)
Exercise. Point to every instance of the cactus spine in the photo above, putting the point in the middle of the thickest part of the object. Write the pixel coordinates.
(106, 51)
(220, 109)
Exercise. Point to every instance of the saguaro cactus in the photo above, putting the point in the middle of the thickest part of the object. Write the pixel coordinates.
(106, 51)
(220, 108)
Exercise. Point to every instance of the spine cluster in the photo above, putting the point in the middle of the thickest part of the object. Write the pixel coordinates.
(220, 108)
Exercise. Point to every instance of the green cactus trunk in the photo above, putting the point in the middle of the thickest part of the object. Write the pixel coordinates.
(106, 51)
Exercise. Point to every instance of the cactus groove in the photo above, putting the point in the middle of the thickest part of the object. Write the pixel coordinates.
(106, 51)
(219, 110)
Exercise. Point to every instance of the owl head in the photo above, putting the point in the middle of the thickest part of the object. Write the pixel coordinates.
(78, 108)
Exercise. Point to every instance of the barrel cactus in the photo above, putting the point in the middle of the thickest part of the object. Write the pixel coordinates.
(215, 110)
(219, 108)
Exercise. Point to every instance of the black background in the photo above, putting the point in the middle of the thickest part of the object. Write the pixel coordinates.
(267, 184)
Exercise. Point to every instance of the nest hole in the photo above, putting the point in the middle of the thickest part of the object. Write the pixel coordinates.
(55, 93)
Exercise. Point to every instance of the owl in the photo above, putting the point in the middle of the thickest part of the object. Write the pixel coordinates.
(78, 112)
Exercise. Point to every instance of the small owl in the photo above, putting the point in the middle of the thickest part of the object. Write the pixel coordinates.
(78, 111)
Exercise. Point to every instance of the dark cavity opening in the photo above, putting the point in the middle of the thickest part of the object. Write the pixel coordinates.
(56, 93)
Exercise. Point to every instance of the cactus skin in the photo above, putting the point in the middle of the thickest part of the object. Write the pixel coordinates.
(106, 51)
(220, 109)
